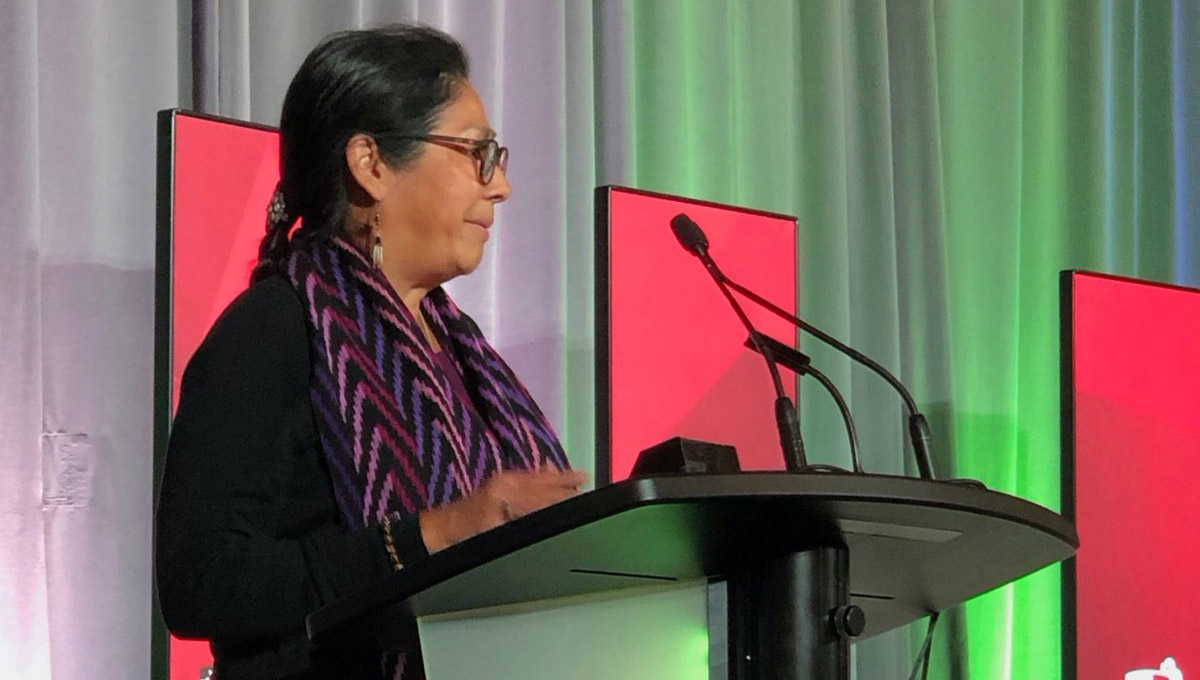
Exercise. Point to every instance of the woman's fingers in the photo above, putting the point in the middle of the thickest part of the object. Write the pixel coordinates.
(503, 498)
(571, 478)
(523, 492)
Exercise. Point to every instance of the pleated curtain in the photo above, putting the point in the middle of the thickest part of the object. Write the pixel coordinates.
(945, 159)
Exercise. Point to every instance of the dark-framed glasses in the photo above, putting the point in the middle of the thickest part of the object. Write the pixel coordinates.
(488, 152)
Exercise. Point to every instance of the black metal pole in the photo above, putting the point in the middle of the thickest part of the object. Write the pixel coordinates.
(788, 618)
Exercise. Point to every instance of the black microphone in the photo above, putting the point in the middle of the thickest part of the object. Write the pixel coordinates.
(693, 240)
(690, 236)
(918, 426)
(800, 364)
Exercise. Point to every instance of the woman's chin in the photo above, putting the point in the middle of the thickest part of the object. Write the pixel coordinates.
(469, 262)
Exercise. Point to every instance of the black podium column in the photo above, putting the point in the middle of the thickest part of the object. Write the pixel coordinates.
(787, 617)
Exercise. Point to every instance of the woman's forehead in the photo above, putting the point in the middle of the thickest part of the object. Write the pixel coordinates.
(465, 113)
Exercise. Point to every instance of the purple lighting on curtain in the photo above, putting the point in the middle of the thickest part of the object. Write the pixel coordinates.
(1185, 109)
(1110, 231)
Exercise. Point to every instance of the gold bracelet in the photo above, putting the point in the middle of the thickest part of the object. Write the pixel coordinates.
(390, 543)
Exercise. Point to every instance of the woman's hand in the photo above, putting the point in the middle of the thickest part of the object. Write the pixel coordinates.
(503, 497)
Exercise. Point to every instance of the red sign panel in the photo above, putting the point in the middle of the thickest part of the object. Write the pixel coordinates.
(1132, 447)
(221, 177)
(670, 359)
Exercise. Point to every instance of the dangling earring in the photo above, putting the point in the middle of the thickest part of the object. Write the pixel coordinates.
(377, 246)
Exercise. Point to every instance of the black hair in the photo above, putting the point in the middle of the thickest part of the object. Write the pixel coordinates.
(386, 82)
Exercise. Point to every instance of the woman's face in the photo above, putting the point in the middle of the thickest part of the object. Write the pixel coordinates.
(436, 215)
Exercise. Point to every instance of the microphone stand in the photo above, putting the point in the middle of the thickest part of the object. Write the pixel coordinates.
(799, 363)
(785, 411)
(692, 238)
(918, 426)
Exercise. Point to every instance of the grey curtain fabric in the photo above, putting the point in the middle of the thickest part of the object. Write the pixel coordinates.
(79, 84)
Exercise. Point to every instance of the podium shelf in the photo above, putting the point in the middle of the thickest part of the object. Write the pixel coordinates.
(915, 546)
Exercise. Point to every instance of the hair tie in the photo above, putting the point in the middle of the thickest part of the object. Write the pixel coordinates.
(277, 210)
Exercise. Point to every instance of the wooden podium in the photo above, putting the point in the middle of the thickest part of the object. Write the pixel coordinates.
(807, 557)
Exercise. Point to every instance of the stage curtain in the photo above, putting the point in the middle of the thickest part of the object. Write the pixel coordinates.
(79, 84)
(945, 158)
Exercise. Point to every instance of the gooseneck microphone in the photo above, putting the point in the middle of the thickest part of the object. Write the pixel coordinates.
(918, 426)
(800, 364)
(693, 240)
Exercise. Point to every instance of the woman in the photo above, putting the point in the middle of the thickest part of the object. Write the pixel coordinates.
(343, 418)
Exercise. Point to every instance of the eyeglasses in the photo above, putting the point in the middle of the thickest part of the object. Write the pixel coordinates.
(488, 152)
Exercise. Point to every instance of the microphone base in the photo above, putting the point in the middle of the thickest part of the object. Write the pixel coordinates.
(966, 481)
(823, 469)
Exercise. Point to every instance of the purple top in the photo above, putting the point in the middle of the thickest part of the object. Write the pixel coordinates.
(445, 363)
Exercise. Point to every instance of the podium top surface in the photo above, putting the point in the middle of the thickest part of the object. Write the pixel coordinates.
(915, 546)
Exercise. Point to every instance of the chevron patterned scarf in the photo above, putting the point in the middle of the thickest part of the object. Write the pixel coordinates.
(395, 433)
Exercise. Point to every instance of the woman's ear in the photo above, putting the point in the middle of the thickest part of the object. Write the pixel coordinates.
(367, 167)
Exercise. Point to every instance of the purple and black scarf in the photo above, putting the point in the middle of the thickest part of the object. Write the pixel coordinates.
(396, 435)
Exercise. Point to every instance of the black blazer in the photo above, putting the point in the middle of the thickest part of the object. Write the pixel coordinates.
(249, 539)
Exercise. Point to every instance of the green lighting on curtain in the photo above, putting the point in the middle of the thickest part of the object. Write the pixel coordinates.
(946, 159)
